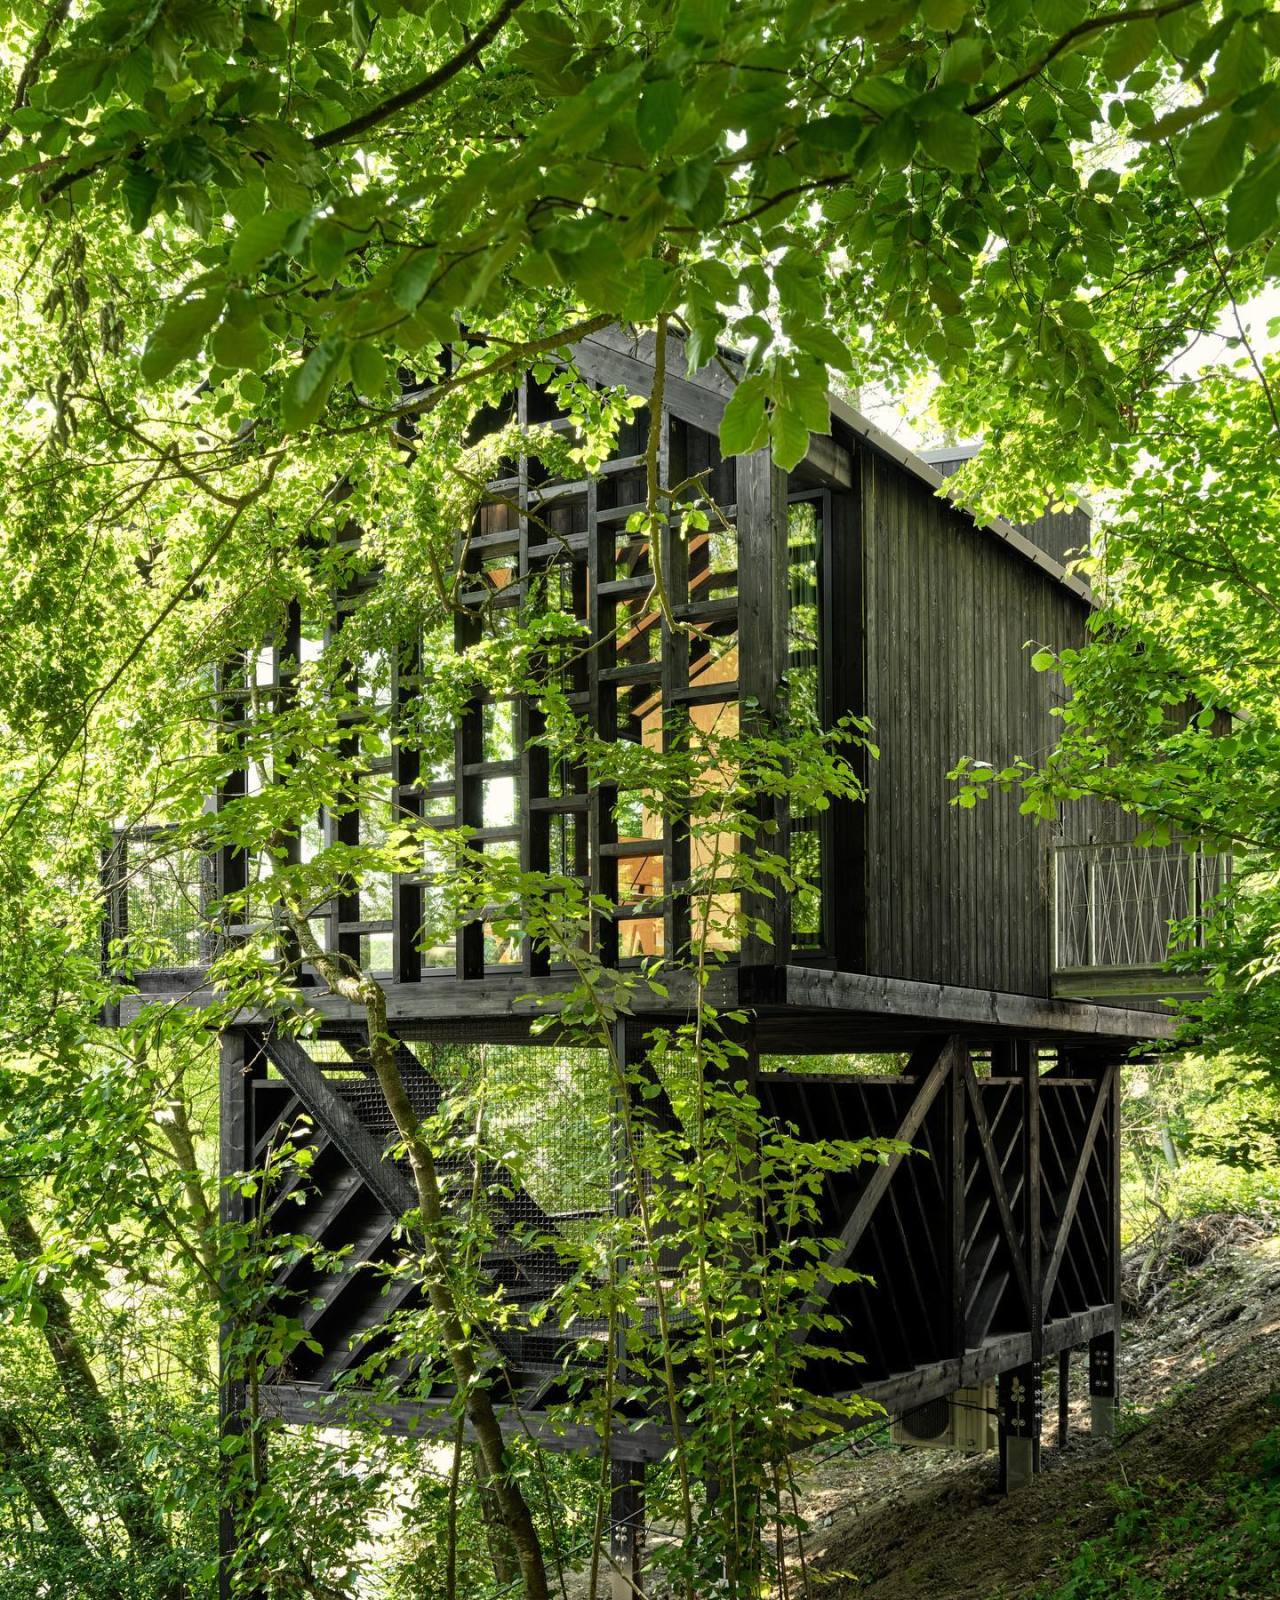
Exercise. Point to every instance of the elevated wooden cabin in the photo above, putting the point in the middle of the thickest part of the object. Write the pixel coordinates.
(935, 932)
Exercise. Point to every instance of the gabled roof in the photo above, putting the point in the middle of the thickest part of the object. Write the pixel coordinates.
(616, 356)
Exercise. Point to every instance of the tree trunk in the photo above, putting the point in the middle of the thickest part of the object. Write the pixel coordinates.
(502, 1553)
(17, 1457)
(513, 1508)
(93, 1416)
(175, 1125)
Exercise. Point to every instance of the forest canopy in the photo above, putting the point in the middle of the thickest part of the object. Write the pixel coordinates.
(270, 273)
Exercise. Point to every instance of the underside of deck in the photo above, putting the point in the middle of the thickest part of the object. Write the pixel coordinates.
(988, 1249)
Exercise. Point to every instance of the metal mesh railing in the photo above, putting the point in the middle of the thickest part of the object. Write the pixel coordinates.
(154, 896)
(1115, 905)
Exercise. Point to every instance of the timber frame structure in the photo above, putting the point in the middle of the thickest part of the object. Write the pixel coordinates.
(932, 935)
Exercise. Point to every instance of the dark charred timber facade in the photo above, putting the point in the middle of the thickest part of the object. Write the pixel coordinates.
(932, 934)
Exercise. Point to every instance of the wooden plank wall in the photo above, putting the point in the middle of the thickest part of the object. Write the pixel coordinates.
(953, 896)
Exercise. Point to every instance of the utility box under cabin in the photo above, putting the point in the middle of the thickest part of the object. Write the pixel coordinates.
(933, 933)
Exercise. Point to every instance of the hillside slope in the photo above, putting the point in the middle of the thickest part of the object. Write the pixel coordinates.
(1198, 1370)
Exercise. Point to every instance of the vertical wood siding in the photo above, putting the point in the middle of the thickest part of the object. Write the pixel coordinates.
(953, 896)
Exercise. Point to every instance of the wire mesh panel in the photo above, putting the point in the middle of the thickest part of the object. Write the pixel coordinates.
(1114, 903)
(154, 894)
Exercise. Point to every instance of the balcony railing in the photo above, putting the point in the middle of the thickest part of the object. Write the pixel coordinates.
(154, 899)
(1124, 909)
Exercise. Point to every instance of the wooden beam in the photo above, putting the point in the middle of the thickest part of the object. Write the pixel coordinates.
(335, 1116)
(906, 1389)
(1003, 1211)
(311, 1405)
(442, 997)
(827, 464)
(236, 1137)
(950, 1005)
(1072, 1201)
(856, 1223)
(614, 357)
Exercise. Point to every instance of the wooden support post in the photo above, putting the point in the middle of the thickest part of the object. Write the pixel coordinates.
(762, 621)
(1104, 1385)
(621, 1187)
(626, 1530)
(235, 1117)
(1064, 1397)
(287, 659)
(407, 807)
(844, 631)
(1027, 1068)
(1104, 1369)
(677, 859)
(602, 716)
(959, 1058)
(1019, 1402)
(469, 793)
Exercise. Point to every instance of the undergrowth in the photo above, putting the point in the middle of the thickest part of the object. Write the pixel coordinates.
(1186, 1541)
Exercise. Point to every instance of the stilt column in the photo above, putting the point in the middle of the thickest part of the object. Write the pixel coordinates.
(1104, 1385)
(626, 1530)
(1019, 1404)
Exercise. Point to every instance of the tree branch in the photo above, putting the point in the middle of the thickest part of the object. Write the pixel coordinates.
(420, 91)
(421, 403)
(170, 606)
(1081, 31)
(57, 15)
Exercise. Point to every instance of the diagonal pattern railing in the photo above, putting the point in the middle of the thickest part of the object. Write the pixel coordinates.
(1113, 904)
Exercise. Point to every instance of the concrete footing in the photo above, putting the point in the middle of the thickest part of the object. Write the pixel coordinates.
(1102, 1415)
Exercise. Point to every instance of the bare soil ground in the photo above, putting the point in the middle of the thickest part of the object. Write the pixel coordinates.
(1200, 1359)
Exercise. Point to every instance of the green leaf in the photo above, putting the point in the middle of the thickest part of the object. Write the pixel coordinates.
(139, 188)
(742, 427)
(944, 16)
(241, 341)
(881, 94)
(951, 139)
(893, 142)
(685, 186)
(180, 333)
(1254, 201)
(267, 36)
(833, 133)
(790, 438)
(308, 385)
(1240, 64)
(430, 323)
(1127, 47)
(259, 237)
(644, 288)
(658, 112)
(819, 341)
(79, 74)
(329, 240)
(369, 369)
(700, 19)
(1060, 16)
(1211, 155)
(963, 62)
(412, 278)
